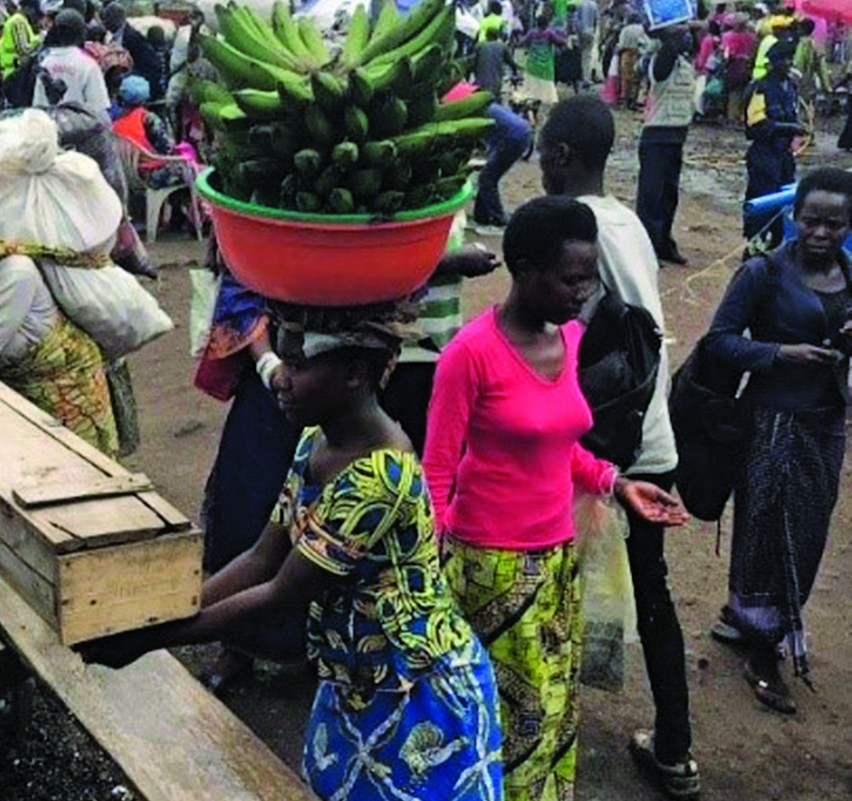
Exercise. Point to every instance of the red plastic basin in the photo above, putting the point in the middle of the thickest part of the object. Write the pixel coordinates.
(325, 260)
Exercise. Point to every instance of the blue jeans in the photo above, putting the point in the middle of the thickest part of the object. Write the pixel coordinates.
(510, 138)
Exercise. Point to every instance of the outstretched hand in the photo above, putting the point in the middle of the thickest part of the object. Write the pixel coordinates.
(651, 502)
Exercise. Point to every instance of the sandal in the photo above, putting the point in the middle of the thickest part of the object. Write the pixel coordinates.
(725, 630)
(771, 691)
(679, 780)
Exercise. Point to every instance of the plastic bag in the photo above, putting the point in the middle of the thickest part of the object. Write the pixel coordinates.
(202, 303)
(49, 197)
(609, 617)
(109, 304)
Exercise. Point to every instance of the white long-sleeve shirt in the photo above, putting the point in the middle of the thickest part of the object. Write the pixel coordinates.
(629, 268)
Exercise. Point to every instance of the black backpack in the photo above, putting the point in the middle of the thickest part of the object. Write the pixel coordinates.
(618, 362)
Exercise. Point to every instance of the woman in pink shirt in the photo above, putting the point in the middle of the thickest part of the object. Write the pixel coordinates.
(738, 48)
(502, 459)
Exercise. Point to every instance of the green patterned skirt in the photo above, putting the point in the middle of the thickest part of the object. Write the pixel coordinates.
(65, 376)
(525, 606)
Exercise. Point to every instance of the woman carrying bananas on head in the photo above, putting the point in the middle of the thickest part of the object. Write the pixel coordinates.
(406, 705)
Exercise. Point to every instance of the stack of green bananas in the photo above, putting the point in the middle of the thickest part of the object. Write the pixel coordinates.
(356, 131)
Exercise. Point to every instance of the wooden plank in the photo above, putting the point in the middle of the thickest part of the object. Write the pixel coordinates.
(36, 452)
(118, 588)
(29, 584)
(173, 519)
(43, 494)
(174, 740)
(57, 431)
(96, 523)
(16, 520)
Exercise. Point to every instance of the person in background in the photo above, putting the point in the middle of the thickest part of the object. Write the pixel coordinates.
(795, 303)
(844, 142)
(540, 67)
(44, 355)
(406, 395)
(738, 47)
(145, 60)
(49, 360)
(632, 40)
(156, 37)
(574, 145)
(19, 38)
(114, 61)
(404, 685)
(503, 463)
(492, 57)
(587, 26)
(771, 125)
(254, 455)
(492, 21)
(68, 74)
(509, 140)
(709, 47)
(569, 63)
(778, 30)
(668, 113)
(814, 76)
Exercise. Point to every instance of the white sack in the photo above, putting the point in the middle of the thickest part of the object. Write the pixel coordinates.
(56, 199)
(48, 196)
(109, 304)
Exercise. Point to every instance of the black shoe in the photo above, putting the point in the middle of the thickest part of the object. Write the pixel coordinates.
(672, 255)
(678, 780)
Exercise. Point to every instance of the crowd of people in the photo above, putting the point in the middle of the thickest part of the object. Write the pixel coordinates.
(393, 494)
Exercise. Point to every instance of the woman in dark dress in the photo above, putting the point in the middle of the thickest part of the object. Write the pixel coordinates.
(796, 303)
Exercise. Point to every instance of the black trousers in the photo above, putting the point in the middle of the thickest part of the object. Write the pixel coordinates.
(660, 164)
(659, 631)
(769, 168)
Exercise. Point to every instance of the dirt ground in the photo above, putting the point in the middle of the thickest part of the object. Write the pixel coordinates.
(745, 752)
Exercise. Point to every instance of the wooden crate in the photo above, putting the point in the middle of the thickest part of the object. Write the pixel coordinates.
(89, 545)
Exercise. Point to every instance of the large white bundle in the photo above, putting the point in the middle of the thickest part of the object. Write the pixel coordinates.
(60, 200)
(50, 197)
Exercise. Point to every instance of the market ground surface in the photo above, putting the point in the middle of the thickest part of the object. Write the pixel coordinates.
(745, 752)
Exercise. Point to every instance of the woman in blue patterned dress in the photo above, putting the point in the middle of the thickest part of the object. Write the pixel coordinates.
(406, 707)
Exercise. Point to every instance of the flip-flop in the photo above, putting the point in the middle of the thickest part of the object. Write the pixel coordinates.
(774, 694)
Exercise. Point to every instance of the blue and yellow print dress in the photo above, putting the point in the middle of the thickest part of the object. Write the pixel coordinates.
(406, 707)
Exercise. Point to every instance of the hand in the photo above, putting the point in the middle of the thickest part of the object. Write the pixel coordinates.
(650, 502)
(276, 381)
(115, 651)
(844, 338)
(470, 262)
(806, 354)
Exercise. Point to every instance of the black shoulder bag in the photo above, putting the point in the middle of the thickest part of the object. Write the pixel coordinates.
(618, 362)
(710, 428)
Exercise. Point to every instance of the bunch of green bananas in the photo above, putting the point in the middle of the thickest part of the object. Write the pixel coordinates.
(357, 131)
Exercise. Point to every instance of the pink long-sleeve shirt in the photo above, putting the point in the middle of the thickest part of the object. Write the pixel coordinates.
(502, 455)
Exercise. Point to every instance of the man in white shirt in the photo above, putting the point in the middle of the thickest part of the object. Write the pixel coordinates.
(67, 74)
(575, 143)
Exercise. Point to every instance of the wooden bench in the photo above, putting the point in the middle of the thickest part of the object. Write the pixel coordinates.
(63, 506)
(173, 739)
